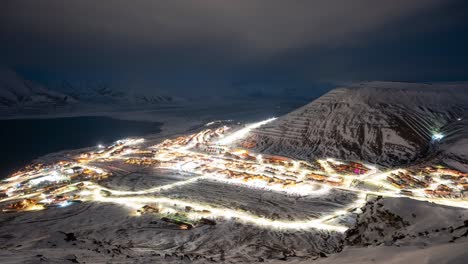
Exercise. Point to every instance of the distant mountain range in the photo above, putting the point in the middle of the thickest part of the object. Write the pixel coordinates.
(380, 122)
(19, 95)
(18, 92)
(104, 93)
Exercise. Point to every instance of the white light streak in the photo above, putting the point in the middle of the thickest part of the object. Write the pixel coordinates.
(239, 134)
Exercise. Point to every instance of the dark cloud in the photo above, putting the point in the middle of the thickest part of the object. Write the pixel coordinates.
(212, 42)
(259, 25)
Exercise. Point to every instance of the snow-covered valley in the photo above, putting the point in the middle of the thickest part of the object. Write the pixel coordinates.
(171, 199)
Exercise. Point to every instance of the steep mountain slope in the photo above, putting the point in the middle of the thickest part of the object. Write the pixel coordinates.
(379, 122)
(18, 92)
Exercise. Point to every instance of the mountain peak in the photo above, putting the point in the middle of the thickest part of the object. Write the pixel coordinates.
(383, 123)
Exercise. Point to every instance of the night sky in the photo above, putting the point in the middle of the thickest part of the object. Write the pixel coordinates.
(251, 47)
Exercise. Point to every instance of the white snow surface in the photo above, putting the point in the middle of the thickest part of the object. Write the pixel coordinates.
(393, 230)
(438, 254)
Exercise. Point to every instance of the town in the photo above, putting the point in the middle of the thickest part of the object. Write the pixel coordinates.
(217, 154)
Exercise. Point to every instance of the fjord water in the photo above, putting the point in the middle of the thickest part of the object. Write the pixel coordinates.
(23, 140)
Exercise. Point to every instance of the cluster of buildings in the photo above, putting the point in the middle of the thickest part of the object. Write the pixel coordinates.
(442, 171)
(22, 205)
(331, 180)
(246, 177)
(211, 148)
(278, 160)
(203, 155)
(442, 190)
(348, 167)
(405, 180)
(48, 185)
(200, 138)
(240, 154)
(180, 219)
(436, 181)
(117, 149)
(312, 166)
(143, 161)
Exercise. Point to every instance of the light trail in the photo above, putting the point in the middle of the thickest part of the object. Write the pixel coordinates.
(138, 202)
(301, 190)
(242, 132)
(156, 189)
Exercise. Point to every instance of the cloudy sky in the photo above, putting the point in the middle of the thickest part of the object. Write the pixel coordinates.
(257, 47)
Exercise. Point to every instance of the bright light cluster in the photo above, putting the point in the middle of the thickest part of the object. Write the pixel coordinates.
(437, 136)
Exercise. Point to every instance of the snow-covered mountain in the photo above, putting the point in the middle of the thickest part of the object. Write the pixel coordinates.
(103, 93)
(16, 92)
(19, 96)
(380, 122)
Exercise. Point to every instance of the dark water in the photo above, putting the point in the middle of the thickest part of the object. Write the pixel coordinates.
(26, 139)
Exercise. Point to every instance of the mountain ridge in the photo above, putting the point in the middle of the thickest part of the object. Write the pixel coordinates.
(17, 92)
(20, 95)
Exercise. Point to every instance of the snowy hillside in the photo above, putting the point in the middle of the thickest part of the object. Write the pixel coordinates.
(379, 122)
(16, 92)
(393, 230)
